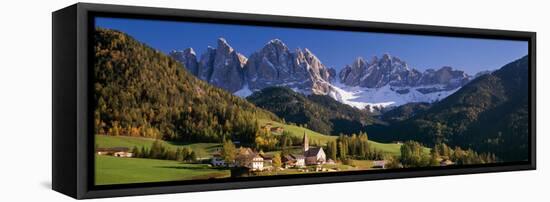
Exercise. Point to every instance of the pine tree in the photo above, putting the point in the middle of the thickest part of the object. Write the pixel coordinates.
(342, 150)
(332, 150)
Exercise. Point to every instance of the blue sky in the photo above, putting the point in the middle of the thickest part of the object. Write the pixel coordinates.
(334, 48)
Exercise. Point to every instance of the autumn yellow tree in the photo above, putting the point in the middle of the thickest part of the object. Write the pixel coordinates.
(277, 160)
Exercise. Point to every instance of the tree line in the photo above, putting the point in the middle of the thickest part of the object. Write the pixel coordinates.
(158, 150)
(353, 147)
(413, 155)
(139, 91)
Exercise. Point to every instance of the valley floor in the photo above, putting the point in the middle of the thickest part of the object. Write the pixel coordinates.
(118, 170)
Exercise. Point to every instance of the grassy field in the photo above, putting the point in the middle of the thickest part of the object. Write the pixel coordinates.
(210, 148)
(130, 142)
(391, 148)
(123, 141)
(299, 131)
(114, 170)
(362, 164)
(338, 166)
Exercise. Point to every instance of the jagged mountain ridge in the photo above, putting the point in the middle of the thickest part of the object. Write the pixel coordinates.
(388, 82)
(382, 82)
(221, 66)
(390, 70)
(273, 65)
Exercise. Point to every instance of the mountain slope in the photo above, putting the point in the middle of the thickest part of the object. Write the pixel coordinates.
(489, 114)
(316, 112)
(404, 112)
(389, 82)
(139, 91)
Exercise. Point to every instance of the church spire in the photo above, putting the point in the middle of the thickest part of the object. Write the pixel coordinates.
(305, 142)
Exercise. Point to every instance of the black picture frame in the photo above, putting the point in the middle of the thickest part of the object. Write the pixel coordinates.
(72, 129)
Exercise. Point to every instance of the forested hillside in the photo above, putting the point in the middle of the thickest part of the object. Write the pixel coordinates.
(139, 91)
(489, 114)
(405, 111)
(316, 112)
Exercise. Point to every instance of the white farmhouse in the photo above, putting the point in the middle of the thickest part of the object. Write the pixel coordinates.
(257, 163)
(300, 161)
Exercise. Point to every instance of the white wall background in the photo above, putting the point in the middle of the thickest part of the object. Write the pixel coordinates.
(25, 99)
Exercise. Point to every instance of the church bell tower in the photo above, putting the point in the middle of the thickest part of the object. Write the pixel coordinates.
(305, 142)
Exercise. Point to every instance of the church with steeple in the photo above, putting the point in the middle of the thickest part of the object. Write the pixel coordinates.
(314, 155)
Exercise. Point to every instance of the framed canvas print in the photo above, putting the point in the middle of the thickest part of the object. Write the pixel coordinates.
(154, 100)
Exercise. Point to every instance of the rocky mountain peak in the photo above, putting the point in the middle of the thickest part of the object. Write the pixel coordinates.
(223, 46)
(275, 46)
(227, 67)
(351, 74)
(276, 65)
(221, 66)
(446, 76)
(308, 53)
(188, 58)
(242, 59)
(387, 57)
(360, 62)
(391, 70)
(276, 42)
(301, 70)
(373, 59)
(392, 63)
(190, 51)
(446, 68)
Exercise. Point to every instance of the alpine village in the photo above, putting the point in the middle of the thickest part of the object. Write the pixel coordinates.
(182, 116)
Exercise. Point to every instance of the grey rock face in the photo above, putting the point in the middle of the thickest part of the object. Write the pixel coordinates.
(313, 70)
(275, 65)
(206, 64)
(332, 75)
(227, 70)
(188, 58)
(351, 75)
(392, 71)
(266, 67)
(221, 66)
(379, 72)
(302, 71)
(446, 76)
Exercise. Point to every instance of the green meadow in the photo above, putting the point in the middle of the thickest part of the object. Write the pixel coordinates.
(105, 141)
(390, 148)
(115, 170)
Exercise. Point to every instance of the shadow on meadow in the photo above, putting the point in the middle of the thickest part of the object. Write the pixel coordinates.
(191, 167)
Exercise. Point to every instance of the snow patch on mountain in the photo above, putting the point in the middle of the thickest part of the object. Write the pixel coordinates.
(385, 96)
(373, 84)
(243, 92)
